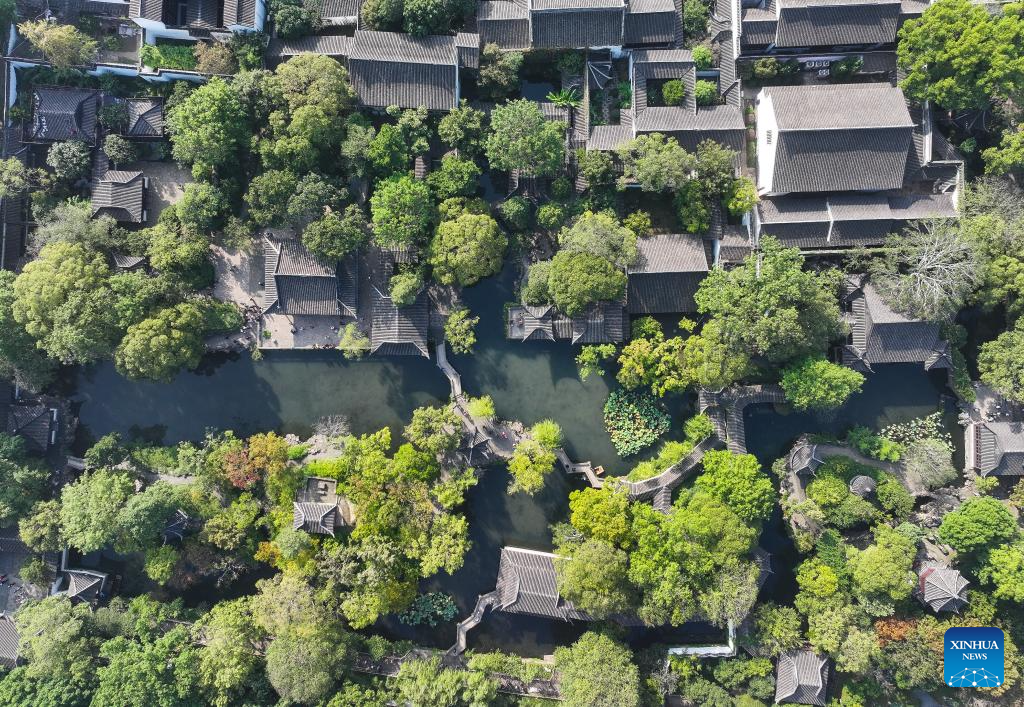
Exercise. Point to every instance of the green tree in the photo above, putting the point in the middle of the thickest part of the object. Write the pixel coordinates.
(119, 150)
(536, 290)
(576, 280)
(159, 347)
(776, 629)
(673, 92)
(981, 522)
(425, 683)
(1004, 570)
(602, 235)
(590, 359)
(142, 519)
(315, 80)
(64, 46)
(54, 640)
(596, 671)
(208, 129)
(930, 462)
(522, 139)
(202, 207)
(89, 505)
(22, 482)
(292, 21)
(69, 160)
(180, 255)
(463, 129)
(467, 249)
(302, 661)
(459, 330)
(402, 211)
(268, 196)
(529, 465)
(1001, 363)
(1008, 156)
(352, 342)
(434, 429)
(883, 571)
(315, 197)
(596, 167)
(960, 56)
(456, 177)
(40, 530)
(334, 236)
(710, 361)
(499, 72)
(736, 480)
(16, 177)
(382, 14)
(818, 384)
(595, 579)
(144, 673)
(227, 658)
(601, 514)
(405, 286)
(72, 222)
(770, 306)
(656, 163)
(424, 17)
(705, 92)
(20, 358)
(652, 360)
(62, 300)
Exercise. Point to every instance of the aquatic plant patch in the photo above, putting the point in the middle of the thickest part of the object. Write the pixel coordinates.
(634, 420)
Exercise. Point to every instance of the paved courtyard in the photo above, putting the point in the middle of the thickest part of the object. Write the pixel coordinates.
(166, 185)
(282, 331)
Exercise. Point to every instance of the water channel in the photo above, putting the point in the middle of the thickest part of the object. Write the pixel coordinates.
(288, 392)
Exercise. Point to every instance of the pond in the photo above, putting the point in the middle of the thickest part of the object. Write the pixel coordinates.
(289, 392)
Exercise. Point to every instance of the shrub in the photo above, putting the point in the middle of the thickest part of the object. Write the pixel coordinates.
(702, 57)
(297, 452)
(570, 62)
(868, 443)
(481, 407)
(634, 420)
(405, 287)
(119, 150)
(698, 428)
(706, 93)
(766, 68)
(671, 453)
(516, 212)
(215, 58)
(639, 222)
(551, 216)
(841, 508)
(673, 92)
(164, 55)
(893, 498)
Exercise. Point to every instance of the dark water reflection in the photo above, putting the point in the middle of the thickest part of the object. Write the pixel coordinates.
(288, 392)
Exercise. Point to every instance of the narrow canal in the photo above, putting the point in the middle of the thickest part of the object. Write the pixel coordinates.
(289, 392)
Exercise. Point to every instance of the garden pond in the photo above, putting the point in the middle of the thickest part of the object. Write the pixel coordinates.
(531, 381)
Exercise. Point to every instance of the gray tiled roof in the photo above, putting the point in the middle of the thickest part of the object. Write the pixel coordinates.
(667, 274)
(202, 14)
(839, 107)
(999, 448)
(64, 114)
(505, 23)
(650, 22)
(388, 68)
(609, 137)
(314, 517)
(239, 13)
(840, 138)
(333, 45)
(145, 117)
(298, 283)
(828, 23)
(8, 643)
(146, 9)
(340, 9)
(527, 585)
(120, 195)
(667, 119)
(570, 24)
(801, 677)
(32, 422)
(882, 335)
(942, 589)
(84, 585)
(399, 331)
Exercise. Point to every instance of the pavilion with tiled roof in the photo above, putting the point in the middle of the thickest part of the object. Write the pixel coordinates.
(121, 195)
(319, 509)
(801, 677)
(297, 282)
(995, 447)
(941, 589)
